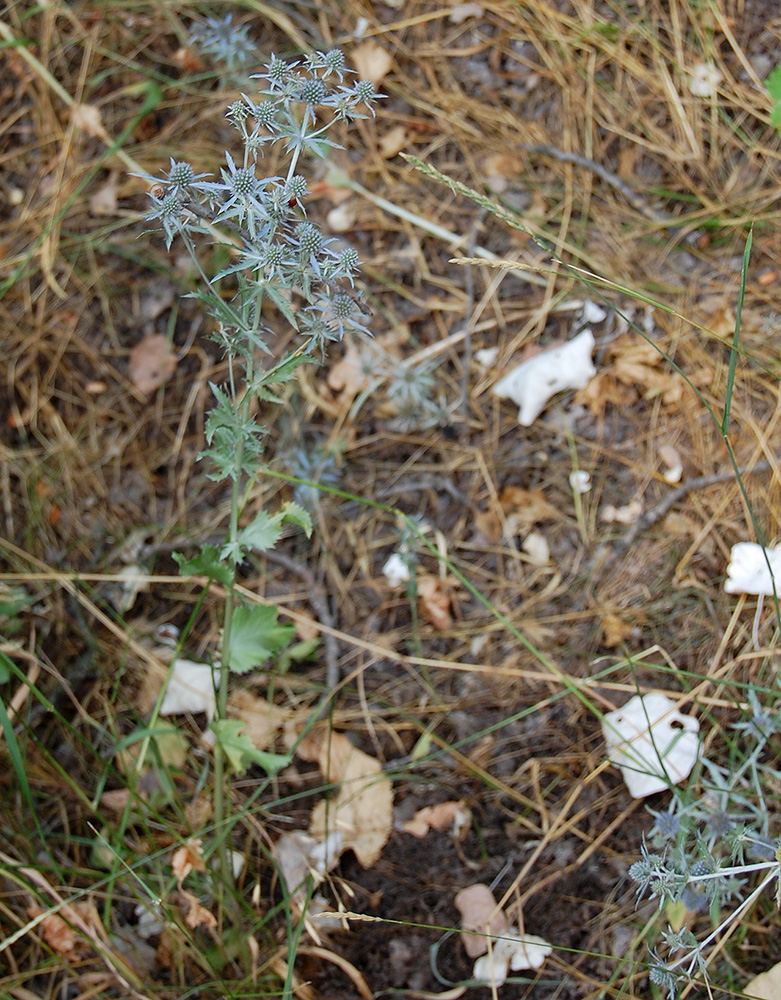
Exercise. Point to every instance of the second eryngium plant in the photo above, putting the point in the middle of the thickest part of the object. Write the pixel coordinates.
(280, 259)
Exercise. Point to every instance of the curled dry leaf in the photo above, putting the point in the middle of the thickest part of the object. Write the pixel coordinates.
(765, 986)
(300, 855)
(152, 362)
(61, 930)
(186, 859)
(614, 630)
(197, 915)
(347, 375)
(393, 141)
(372, 61)
(104, 200)
(362, 810)
(527, 507)
(453, 815)
(56, 932)
(88, 118)
(637, 362)
(262, 719)
(601, 390)
(481, 918)
(433, 602)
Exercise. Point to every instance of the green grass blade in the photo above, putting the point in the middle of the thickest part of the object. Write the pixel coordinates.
(733, 357)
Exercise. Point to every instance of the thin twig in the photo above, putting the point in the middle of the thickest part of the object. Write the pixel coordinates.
(651, 517)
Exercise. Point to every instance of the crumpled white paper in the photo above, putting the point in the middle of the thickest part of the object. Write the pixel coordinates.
(511, 951)
(651, 743)
(532, 385)
(748, 571)
(396, 570)
(190, 689)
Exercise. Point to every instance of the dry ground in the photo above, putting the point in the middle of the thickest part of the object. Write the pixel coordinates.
(94, 473)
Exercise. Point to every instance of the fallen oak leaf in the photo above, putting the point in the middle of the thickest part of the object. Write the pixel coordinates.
(362, 809)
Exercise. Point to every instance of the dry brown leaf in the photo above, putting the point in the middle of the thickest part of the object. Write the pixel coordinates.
(197, 915)
(186, 859)
(636, 362)
(679, 525)
(61, 934)
(262, 719)
(488, 524)
(480, 918)
(198, 811)
(372, 61)
(527, 507)
(88, 118)
(393, 141)
(307, 628)
(362, 810)
(115, 800)
(104, 200)
(188, 60)
(765, 986)
(614, 630)
(58, 934)
(433, 602)
(152, 362)
(439, 817)
(601, 390)
(347, 375)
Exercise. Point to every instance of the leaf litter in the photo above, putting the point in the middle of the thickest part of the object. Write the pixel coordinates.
(635, 401)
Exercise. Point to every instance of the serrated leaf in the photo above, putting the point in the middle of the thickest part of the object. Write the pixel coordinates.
(206, 563)
(282, 303)
(773, 84)
(294, 513)
(263, 532)
(255, 637)
(239, 749)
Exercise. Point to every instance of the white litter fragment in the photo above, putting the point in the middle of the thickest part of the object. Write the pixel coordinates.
(536, 547)
(463, 11)
(752, 569)
(511, 951)
(592, 313)
(580, 481)
(651, 743)
(486, 356)
(190, 689)
(705, 78)
(532, 385)
(672, 459)
(396, 571)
